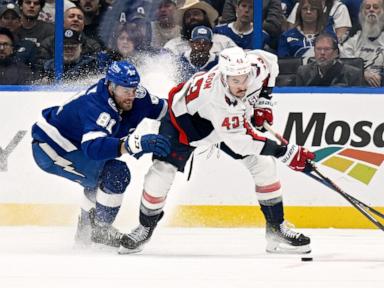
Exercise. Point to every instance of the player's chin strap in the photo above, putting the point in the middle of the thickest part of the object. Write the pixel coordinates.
(363, 208)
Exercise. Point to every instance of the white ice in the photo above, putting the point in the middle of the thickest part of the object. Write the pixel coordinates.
(175, 257)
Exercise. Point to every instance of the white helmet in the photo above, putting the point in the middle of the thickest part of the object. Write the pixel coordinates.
(233, 61)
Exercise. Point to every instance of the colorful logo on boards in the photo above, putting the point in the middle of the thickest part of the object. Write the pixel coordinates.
(358, 164)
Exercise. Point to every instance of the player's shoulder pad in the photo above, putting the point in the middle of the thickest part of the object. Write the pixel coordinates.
(141, 92)
(266, 56)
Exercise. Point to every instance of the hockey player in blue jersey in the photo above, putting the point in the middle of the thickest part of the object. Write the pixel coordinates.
(81, 140)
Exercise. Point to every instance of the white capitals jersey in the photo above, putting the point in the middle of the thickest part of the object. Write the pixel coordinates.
(205, 113)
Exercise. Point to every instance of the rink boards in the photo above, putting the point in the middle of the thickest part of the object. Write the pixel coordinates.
(346, 131)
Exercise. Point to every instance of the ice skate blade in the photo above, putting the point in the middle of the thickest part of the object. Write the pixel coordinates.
(283, 248)
(124, 251)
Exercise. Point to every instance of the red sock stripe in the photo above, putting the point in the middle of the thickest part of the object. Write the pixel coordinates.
(151, 199)
(268, 188)
(250, 131)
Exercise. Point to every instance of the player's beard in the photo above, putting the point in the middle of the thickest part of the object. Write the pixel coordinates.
(198, 59)
(372, 25)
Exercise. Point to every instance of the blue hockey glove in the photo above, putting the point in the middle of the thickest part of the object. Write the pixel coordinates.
(149, 143)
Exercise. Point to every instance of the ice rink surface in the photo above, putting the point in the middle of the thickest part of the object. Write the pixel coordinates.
(45, 257)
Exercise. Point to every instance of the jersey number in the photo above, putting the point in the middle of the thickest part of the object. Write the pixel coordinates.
(194, 91)
(105, 121)
(231, 123)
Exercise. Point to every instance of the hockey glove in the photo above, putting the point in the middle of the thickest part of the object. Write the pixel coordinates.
(149, 143)
(261, 115)
(297, 157)
(263, 112)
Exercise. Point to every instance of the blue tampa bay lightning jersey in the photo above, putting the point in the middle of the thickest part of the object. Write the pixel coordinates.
(92, 123)
(293, 43)
(242, 40)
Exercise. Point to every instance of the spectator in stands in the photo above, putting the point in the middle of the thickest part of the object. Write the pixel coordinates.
(368, 43)
(10, 17)
(47, 14)
(298, 41)
(24, 50)
(199, 57)
(272, 18)
(327, 69)
(129, 11)
(12, 72)
(165, 27)
(76, 65)
(337, 15)
(31, 28)
(123, 45)
(197, 13)
(92, 17)
(73, 19)
(240, 31)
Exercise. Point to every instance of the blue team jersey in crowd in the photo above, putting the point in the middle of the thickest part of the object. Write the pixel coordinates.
(92, 123)
(293, 43)
(242, 40)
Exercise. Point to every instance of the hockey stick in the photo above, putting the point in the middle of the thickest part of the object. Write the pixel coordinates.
(360, 206)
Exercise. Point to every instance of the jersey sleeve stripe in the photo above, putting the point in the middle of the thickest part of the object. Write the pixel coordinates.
(93, 135)
(55, 135)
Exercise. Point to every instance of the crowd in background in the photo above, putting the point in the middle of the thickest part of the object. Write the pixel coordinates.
(319, 42)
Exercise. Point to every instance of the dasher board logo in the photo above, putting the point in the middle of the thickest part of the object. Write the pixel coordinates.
(347, 143)
(358, 164)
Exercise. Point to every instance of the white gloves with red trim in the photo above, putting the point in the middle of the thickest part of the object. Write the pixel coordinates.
(263, 113)
(297, 157)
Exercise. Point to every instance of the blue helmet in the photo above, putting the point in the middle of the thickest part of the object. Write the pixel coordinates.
(123, 73)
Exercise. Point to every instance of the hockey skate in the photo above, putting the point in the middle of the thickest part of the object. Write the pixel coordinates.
(84, 229)
(281, 239)
(106, 234)
(134, 241)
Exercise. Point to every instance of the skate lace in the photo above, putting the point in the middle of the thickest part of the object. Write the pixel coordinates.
(287, 231)
(111, 233)
(140, 233)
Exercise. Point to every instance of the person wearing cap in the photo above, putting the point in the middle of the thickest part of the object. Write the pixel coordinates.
(196, 13)
(10, 17)
(76, 65)
(31, 28)
(165, 27)
(24, 50)
(73, 19)
(199, 57)
(272, 18)
(12, 71)
(241, 30)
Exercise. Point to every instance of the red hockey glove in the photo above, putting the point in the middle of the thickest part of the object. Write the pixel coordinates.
(261, 115)
(297, 157)
(263, 112)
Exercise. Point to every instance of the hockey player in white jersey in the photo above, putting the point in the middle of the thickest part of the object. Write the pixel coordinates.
(226, 105)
